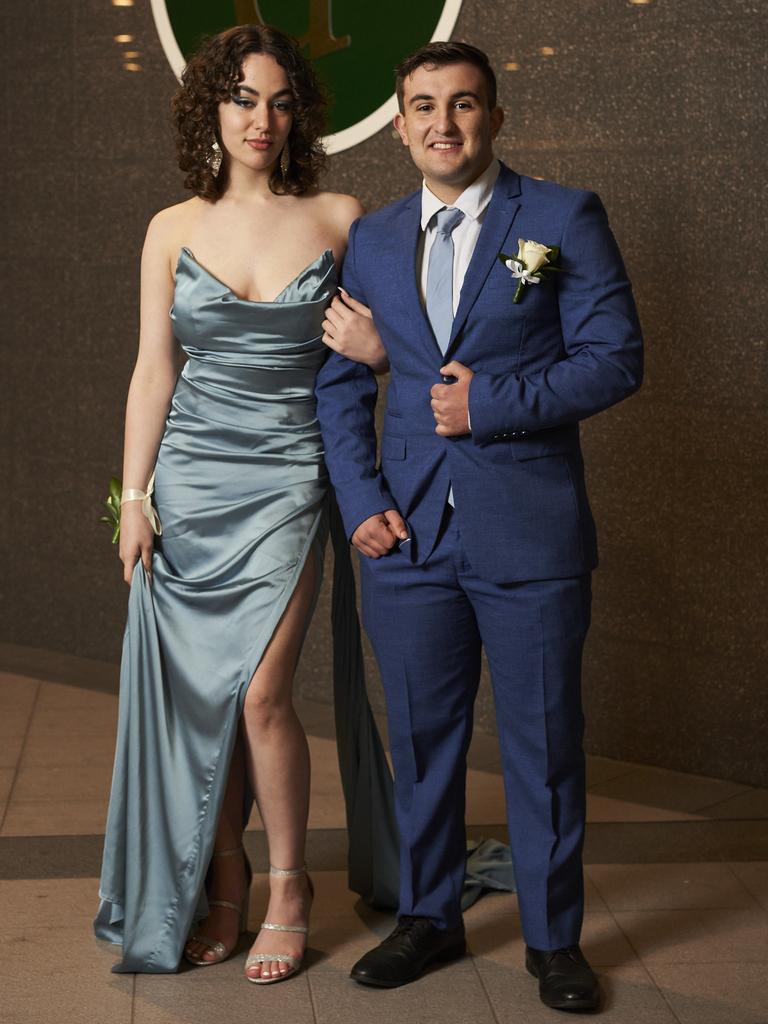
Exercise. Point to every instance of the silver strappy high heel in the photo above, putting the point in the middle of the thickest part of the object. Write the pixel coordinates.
(294, 962)
(219, 950)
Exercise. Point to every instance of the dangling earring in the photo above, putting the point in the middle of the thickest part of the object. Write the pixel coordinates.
(214, 160)
(285, 160)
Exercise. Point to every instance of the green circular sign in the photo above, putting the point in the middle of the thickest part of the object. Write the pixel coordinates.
(354, 46)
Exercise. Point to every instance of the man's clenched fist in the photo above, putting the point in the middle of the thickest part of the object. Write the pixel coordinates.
(450, 402)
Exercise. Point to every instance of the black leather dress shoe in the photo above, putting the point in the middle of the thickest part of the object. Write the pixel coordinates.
(407, 952)
(566, 981)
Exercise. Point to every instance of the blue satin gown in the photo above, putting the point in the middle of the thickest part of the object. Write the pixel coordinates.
(243, 495)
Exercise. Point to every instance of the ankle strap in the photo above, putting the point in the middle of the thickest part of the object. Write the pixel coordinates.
(288, 872)
(228, 853)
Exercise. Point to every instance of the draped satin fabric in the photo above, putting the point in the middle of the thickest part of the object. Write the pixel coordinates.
(243, 496)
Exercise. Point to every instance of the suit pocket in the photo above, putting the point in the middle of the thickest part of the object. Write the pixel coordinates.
(522, 451)
(392, 448)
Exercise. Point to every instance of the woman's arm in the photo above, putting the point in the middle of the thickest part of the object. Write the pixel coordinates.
(149, 395)
(348, 327)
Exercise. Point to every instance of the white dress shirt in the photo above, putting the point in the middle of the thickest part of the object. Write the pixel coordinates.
(473, 202)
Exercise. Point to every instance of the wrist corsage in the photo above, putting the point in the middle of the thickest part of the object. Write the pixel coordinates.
(118, 496)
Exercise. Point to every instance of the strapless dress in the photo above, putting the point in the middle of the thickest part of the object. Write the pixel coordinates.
(243, 495)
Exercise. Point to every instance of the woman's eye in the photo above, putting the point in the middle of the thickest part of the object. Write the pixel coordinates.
(283, 106)
(241, 101)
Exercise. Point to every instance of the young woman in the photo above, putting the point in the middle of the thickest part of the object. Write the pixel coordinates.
(221, 599)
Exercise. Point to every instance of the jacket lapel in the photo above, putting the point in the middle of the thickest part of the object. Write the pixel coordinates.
(498, 220)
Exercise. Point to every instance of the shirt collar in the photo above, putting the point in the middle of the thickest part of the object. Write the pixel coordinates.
(472, 201)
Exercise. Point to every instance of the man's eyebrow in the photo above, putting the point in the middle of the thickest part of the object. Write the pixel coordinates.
(255, 92)
(466, 92)
(456, 96)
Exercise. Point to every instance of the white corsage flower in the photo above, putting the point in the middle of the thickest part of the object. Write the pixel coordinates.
(533, 259)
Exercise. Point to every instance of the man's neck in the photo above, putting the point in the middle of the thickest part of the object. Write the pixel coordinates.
(449, 193)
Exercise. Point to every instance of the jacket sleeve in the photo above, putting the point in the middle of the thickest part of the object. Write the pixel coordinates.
(601, 334)
(346, 394)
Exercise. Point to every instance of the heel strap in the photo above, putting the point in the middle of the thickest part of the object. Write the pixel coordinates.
(225, 903)
(228, 853)
(288, 872)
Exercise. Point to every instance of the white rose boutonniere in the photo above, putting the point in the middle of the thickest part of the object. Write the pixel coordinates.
(532, 261)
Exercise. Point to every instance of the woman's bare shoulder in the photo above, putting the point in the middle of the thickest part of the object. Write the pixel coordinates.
(340, 207)
(167, 224)
(169, 230)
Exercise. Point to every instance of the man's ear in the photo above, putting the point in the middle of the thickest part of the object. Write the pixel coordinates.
(399, 124)
(497, 120)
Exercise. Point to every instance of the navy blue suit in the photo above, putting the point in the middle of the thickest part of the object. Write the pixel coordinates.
(509, 568)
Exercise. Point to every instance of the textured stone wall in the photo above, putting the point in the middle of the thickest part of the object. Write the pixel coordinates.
(659, 107)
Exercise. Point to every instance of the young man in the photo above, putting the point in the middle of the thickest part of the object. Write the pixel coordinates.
(476, 528)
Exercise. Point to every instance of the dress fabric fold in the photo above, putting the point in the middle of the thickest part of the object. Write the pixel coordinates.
(243, 496)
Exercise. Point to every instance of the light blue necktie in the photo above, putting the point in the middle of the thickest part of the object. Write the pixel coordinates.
(440, 276)
(440, 282)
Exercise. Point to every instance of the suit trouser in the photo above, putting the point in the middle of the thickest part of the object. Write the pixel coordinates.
(427, 625)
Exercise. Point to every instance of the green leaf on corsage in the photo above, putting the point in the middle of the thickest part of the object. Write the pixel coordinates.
(112, 505)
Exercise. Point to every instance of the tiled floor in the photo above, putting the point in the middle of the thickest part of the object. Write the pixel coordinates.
(676, 912)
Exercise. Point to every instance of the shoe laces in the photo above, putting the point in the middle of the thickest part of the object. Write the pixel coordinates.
(407, 925)
(569, 952)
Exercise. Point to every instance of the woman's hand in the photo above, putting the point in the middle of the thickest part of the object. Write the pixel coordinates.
(350, 331)
(136, 540)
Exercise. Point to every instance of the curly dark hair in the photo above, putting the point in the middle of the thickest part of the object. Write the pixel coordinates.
(210, 78)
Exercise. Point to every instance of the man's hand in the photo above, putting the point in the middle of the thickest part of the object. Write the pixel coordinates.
(377, 535)
(450, 402)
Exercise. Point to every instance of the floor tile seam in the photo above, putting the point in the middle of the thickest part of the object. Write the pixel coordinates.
(645, 969)
(484, 988)
(687, 910)
(689, 814)
(312, 1003)
(754, 912)
(675, 910)
(648, 964)
(745, 887)
(307, 981)
(599, 890)
(20, 758)
(663, 996)
(614, 778)
(58, 800)
(745, 788)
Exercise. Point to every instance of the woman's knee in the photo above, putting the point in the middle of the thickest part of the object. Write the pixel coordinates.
(264, 708)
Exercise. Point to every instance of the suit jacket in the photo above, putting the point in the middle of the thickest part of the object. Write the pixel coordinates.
(569, 349)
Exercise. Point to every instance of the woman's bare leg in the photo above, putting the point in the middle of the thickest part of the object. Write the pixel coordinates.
(272, 747)
(277, 757)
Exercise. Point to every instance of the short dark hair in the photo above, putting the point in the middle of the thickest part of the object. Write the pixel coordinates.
(211, 77)
(436, 55)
